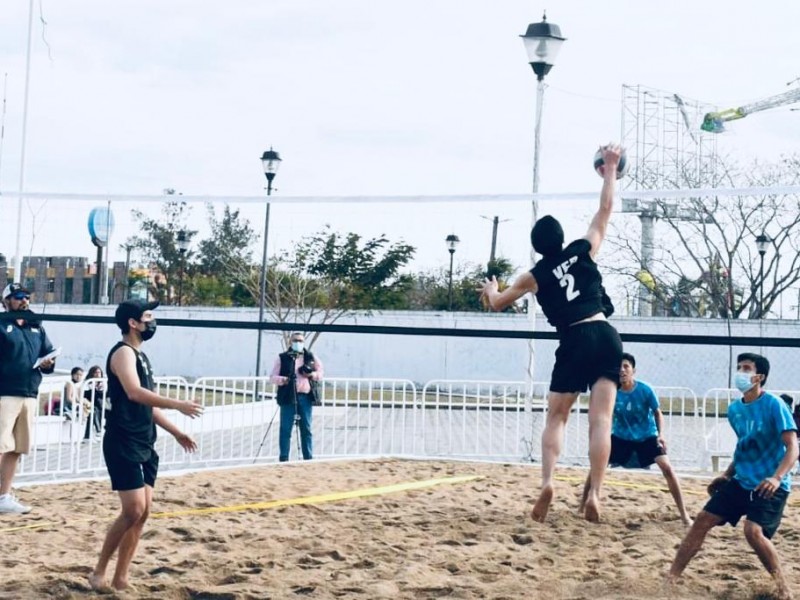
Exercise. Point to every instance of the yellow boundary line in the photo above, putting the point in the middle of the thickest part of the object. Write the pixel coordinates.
(319, 499)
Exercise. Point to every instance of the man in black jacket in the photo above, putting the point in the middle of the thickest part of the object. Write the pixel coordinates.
(293, 373)
(22, 342)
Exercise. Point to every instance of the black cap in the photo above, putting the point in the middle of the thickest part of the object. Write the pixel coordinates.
(14, 288)
(132, 309)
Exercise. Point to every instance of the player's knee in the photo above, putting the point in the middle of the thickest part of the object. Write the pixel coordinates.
(134, 511)
(753, 533)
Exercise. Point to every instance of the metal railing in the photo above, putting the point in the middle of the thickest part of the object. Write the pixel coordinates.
(491, 420)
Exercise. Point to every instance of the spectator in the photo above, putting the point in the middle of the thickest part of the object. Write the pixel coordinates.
(94, 397)
(70, 398)
(295, 373)
(22, 341)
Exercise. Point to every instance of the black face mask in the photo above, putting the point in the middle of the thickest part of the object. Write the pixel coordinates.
(149, 330)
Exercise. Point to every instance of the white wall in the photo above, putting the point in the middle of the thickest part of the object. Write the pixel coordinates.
(193, 352)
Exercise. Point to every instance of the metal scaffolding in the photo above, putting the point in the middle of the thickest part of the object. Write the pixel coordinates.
(667, 150)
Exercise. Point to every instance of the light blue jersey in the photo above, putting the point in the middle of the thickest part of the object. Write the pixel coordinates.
(758, 426)
(634, 413)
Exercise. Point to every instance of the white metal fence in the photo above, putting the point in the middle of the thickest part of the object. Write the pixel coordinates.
(492, 420)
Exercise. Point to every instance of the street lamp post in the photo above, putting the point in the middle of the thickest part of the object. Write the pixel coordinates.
(270, 161)
(542, 42)
(762, 243)
(183, 246)
(452, 242)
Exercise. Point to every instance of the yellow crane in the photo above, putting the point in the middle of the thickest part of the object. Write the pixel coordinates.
(715, 121)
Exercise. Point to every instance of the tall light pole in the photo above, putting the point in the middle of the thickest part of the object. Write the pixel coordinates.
(542, 42)
(183, 246)
(762, 243)
(270, 161)
(452, 242)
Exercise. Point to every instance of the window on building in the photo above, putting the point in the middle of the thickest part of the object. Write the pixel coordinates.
(68, 287)
(51, 286)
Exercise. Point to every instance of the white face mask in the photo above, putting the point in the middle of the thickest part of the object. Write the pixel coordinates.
(297, 346)
(742, 381)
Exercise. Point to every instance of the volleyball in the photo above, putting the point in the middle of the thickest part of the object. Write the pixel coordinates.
(622, 168)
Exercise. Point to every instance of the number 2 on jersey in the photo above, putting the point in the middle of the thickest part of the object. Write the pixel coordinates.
(568, 281)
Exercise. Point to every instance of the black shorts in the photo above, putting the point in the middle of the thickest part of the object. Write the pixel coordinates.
(127, 474)
(732, 502)
(586, 352)
(633, 455)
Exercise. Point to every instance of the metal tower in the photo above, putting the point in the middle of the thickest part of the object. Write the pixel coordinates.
(667, 150)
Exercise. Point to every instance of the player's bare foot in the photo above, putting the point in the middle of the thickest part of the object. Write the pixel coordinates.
(542, 505)
(98, 583)
(121, 584)
(591, 509)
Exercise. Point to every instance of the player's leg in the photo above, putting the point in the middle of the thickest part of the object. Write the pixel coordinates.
(692, 542)
(559, 405)
(674, 486)
(127, 547)
(601, 408)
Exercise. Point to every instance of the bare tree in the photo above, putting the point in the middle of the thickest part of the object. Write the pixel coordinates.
(328, 275)
(705, 261)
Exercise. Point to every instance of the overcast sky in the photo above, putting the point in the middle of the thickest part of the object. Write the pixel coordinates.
(360, 97)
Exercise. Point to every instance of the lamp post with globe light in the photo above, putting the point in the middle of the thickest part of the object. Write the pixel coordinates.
(270, 161)
(452, 242)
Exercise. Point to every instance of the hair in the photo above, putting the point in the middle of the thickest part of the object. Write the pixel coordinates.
(788, 399)
(629, 357)
(294, 333)
(547, 236)
(75, 370)
(92, 369)
(761, 363)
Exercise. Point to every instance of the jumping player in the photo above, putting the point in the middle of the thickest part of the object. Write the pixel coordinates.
(569, 288)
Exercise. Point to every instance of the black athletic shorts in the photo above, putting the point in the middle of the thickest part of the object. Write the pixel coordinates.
(586, 352)
(732, 502)
(633, 455)
(127, 474)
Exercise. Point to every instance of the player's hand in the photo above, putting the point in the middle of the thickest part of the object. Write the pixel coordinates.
(662, 442)
(611, 155)
(187, 442)
(716, 484)
(190, 408)
(47, 364)
(489, 286)
(767, 488)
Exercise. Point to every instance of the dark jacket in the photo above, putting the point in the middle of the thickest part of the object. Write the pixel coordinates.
(20, 346)
(285, 393)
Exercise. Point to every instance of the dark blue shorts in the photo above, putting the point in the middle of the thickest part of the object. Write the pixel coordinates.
(732, 502)
(586, 352)
(634, 455)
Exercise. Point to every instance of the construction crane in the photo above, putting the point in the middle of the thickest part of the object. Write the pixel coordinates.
(714, 122)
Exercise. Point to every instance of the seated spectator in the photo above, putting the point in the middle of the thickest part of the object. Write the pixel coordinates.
(94, 396)
(71, 394)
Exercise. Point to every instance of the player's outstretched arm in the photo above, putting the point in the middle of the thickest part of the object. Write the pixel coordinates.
(501, 300)
(597, 228)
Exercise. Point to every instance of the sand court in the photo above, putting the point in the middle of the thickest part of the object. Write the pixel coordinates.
(383, 528)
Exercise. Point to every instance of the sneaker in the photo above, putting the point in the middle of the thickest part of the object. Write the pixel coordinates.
(9, 504)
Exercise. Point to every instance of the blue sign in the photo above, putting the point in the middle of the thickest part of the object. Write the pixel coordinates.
(101, 225)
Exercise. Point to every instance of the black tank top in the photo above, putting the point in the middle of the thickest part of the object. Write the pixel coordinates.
(129, 425)
(570, 287)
